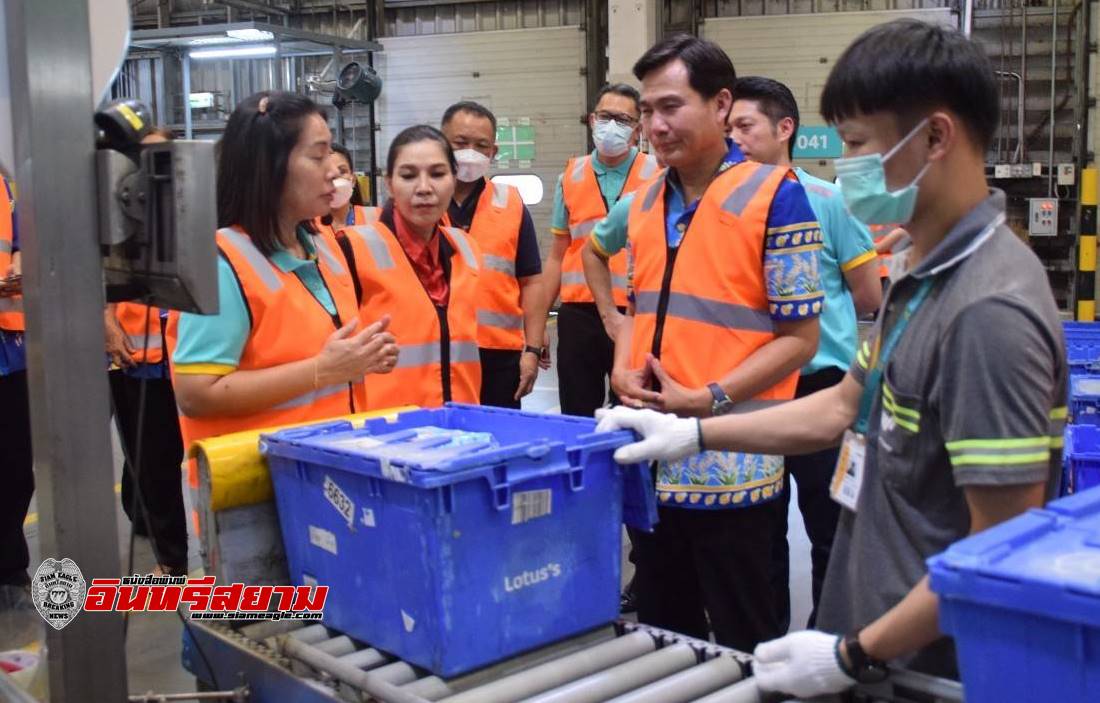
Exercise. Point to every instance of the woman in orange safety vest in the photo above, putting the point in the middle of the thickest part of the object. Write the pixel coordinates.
(287, 344)
(412, 265)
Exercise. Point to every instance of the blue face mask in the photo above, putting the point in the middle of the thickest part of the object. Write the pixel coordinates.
(862, 182)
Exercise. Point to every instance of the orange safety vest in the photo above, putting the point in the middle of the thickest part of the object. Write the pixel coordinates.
(495, 228)
(136, 320)
(438, 357)
(712, 313)
(361, 214)
(288, 325)
(586, 206)
(11, 309)
(877, 234)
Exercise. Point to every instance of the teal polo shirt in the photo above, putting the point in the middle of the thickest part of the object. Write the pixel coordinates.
(847, 245)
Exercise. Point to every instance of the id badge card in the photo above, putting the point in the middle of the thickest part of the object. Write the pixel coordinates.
(848, 475)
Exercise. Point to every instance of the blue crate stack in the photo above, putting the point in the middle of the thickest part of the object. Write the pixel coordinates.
(1081, 454)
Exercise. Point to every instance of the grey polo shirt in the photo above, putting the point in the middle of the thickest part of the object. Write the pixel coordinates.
(973, 395)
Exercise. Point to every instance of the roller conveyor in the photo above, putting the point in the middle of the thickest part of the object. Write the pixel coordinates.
(289, 662)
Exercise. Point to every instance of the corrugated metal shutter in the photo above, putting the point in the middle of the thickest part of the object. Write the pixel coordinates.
(527, 73)
(800, 50)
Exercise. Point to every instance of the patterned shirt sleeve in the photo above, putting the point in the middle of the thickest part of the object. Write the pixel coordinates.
(793, 240)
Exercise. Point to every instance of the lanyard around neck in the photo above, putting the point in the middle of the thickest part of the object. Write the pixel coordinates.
(880, 355)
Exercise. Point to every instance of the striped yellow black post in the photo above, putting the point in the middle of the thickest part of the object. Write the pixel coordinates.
(1085, 289)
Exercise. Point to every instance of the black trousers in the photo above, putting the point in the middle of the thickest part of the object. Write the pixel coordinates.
(820, 513)
(709, 563)
(499, 377)
(585, 356)
(17, 475)
(161, 457)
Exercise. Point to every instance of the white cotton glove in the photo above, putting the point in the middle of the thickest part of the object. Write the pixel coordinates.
(666, 437)
(802, 664)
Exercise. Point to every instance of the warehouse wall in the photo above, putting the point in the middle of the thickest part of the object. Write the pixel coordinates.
(530, 78)
(811, 45)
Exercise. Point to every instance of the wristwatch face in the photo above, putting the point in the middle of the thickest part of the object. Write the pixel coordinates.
(721, 407)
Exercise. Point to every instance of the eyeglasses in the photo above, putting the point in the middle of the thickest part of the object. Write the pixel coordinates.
(624, 120)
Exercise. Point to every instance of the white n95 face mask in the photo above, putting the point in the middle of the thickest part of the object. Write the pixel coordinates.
(611, 138)
(472, 165)
(344, 189)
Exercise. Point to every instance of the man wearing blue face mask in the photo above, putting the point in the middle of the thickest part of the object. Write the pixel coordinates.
(589, 187)
(951, 416)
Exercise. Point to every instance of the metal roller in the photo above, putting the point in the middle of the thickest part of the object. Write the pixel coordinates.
(364, 659)
(337, 646)
(743, 692)
(688, 684)
(431, 688)
(622, 678)
(559, 671)
(397, 673)
(367, 681)
(260, 631)
(311, 634)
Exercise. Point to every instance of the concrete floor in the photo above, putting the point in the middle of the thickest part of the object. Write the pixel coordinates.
(154, 639)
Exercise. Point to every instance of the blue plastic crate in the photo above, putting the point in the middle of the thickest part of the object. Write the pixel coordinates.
(1081, 458)
(453, 556)
(1022, 601)
(1084, 399)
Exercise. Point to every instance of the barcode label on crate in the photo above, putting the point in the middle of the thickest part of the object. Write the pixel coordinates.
(339, 500)
(322, 538)
(528, 505)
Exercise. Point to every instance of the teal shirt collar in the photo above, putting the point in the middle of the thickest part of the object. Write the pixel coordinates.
(289, 263)
(603, 169)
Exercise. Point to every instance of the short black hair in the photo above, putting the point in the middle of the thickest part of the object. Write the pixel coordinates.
(419, 133)
(474, 108)
(252, 162)
(709, 68)
(773, 98)
(356, 196)
(910, 68)
(624, 89)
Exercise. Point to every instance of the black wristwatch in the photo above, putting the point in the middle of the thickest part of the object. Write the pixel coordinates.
(722, 403)
(864, 668)
(537, 351)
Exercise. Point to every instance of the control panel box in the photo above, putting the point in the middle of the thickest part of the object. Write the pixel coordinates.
(1043, 217)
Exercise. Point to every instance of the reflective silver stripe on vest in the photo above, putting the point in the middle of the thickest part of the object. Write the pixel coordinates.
(312, 397)
(578, 169)
(500, 195)
(5, 246)
(11, 304)
(463, 245)
(261, 265)
(576, 278)
(464, 352)
(137, 341)
(649, 167)
(502, 320)
(743, 195)
(372, 239)
(371, 214)
(582, 229)
(707, 311)
(651, 194)
(499, 264)
(413, 355)
(331, 261)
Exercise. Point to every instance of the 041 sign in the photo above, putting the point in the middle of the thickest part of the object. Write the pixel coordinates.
(817, 143)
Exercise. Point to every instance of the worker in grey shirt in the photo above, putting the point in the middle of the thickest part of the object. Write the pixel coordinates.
(951, 416)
